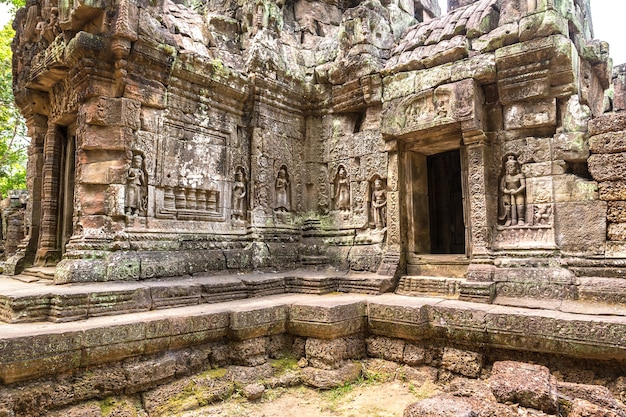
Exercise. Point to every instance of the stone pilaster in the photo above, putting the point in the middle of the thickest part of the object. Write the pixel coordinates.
(48, 251)
(479, 242)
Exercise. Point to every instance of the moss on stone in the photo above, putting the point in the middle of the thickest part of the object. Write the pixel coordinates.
(112, 406)
(285, 364)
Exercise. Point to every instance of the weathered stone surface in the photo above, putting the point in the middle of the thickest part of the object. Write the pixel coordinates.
(275, 135)
(612, 190)
(331, 378)
(443, 405)
(253, 392)
(331, 354)
(256, 320)
(326, 319)
(501, 36)
(608, 167)
(518, 82)
(581, 408)
(570, 147)
(609, 122)
(546, 23)
(598, 395)
(530, 115)
(590, 235)
(610, 142)
(616, 212)
(524, 384)
(209, 140)
(619, 88)
(462, 362)
(617, 232)
(382, 347)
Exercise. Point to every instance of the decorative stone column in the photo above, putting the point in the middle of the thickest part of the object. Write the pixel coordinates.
(392, 261)
(478, 221)
(25, 255)
(48, 251)
(479, 285)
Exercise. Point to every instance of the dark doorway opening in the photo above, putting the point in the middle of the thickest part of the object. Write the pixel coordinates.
(65, 219)
(445, 199)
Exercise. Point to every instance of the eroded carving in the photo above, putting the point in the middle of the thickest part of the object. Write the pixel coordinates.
(513, 194)
(136, 200)
(342, 190)
(379, 205)
(282, 187)
(239, 195)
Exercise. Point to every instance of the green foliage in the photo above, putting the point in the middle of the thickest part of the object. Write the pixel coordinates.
(15, 4)
(13, 140)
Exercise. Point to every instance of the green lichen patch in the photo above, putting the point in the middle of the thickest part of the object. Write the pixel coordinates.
(284, 364)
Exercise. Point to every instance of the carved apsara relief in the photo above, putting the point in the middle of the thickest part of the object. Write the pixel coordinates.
(378, 204)
(239, 193)
(342, 191)
(136, 196)
(282, 194)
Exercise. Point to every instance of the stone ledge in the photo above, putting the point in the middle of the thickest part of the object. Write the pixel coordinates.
(31, 302)
(31, 350)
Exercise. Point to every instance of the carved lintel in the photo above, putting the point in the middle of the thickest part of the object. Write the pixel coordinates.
(458, 103)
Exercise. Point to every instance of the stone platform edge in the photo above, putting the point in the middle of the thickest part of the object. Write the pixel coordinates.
(34, 350)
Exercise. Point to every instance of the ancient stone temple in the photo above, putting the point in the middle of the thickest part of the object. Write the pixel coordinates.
(371, 146)
(174, 138)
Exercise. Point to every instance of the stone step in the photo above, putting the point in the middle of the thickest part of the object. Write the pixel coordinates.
(454, 266)
(40, 272)
(40, 301)
(429, 286)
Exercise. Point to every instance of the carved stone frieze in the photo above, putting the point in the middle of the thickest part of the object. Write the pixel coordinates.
(449, 103)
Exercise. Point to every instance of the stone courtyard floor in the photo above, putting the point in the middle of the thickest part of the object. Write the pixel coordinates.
(385, 399)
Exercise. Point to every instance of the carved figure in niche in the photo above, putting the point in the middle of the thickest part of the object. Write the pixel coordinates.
(379, 204)
(282, 191)
(441, 103)
(342, 190)
(513, 189)
(267, 15)
(135, 181)
(52, 28)
(239, 195)
(48, 30)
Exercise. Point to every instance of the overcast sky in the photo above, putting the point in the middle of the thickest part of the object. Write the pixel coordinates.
(608, 18)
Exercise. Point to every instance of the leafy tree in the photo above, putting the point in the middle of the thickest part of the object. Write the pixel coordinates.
(15, 4)
(13, 140)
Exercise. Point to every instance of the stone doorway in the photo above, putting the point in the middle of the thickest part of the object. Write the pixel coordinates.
(66, 188)
(445, 203)
(435, 200)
